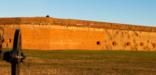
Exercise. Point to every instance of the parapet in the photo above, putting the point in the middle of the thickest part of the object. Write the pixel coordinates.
(72, 22)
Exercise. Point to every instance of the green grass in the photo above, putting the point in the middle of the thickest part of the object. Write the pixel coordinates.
(90, 62)
(66, 53)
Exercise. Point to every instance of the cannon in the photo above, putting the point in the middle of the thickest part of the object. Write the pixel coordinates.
(15, 56)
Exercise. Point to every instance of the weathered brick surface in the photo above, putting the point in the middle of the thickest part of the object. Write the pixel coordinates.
(59, 34)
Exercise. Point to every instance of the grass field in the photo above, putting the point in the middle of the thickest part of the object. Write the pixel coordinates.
(86, 63)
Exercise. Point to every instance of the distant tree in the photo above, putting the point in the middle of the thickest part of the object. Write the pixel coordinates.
(47, 15)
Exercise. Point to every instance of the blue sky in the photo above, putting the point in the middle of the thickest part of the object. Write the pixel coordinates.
(140, 12)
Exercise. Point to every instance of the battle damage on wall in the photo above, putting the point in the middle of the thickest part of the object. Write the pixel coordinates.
(45, 33)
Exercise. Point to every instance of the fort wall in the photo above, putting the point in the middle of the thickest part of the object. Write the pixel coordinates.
(48, 36)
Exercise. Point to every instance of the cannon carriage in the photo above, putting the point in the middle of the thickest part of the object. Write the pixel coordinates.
(14, 56)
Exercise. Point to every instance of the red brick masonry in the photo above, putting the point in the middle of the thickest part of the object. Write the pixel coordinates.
(66, 34)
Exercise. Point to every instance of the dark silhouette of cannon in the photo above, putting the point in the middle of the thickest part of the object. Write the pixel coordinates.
(14, 56)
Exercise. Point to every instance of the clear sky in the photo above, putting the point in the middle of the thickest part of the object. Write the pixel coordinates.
(142, 12)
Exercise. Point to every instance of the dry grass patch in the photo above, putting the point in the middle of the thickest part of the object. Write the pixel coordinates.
(87, 63)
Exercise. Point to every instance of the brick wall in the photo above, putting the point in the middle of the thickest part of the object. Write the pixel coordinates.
(69, 37)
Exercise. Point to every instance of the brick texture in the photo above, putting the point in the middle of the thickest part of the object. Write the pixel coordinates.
(66, 34)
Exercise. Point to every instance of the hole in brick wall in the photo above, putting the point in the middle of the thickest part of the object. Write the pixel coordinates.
(98, 43)
(10, 40)
(154, 45)
(148, 41)
(128, 44)
(114, 43)
(141, 44)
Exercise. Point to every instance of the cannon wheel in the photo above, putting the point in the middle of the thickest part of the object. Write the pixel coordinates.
(15, 65)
